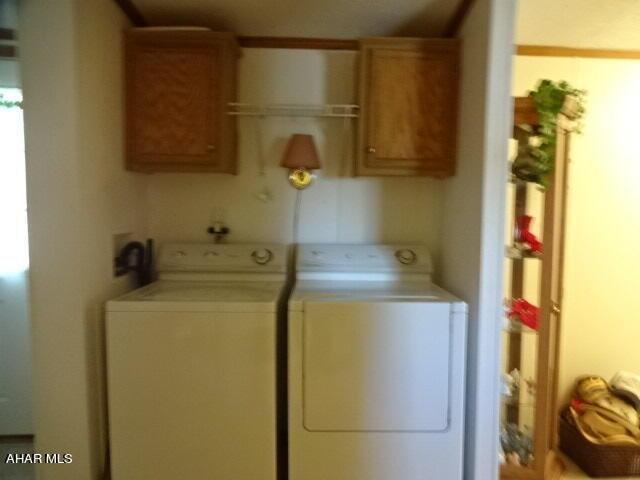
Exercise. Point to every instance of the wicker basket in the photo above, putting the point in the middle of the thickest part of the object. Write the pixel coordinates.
(598, 460)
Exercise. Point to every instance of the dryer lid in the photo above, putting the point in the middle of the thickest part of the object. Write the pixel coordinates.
(307, 291)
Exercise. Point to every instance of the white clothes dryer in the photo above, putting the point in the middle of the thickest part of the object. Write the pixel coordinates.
(376, 367)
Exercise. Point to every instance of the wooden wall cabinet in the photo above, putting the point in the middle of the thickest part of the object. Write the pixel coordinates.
(178, 85)
(408, 107)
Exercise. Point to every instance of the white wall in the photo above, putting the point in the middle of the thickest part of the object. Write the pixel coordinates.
(336, 208)
(15, 356)
(474, 217)
(78, 196)
(600, 323)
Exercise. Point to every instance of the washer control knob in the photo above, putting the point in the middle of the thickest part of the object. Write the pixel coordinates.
(210, 254)
(262, 256)
(406, 256)
(179, 254)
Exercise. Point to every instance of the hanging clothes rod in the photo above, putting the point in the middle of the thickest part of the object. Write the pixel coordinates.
(292, 110)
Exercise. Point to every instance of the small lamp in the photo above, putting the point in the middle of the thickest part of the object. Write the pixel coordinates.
(300, 158)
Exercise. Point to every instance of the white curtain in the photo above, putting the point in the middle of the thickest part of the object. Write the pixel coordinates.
(14, 250)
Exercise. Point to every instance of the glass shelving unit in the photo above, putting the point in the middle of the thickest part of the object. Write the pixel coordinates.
(530, 351)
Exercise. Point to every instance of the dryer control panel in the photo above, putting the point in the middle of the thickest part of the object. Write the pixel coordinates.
(364, 258)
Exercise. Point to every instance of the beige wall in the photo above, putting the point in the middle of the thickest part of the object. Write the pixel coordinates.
(601, 324)
(79, 196)
(337, 208)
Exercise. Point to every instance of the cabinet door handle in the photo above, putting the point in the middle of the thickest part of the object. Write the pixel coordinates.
(371, 149)
(211, 148)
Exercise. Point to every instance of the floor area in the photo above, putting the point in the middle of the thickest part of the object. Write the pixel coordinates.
(26, 472)
(15, 471)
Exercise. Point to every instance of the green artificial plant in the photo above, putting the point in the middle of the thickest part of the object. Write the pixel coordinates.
(549, 98)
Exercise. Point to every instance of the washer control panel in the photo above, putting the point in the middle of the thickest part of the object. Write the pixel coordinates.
(206, 257)
(364, 258)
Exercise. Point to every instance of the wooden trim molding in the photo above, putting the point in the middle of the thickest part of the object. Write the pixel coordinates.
(132, 12)
(455, 23)
(298, 42)
(8, 51)
(7, 34)
(550, 51)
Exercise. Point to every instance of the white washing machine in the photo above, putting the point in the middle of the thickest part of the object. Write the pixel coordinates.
(376, 367)
(192, 366)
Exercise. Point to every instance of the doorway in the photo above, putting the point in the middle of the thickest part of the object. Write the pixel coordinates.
(16, 425)
(15, 364)
(598, 328)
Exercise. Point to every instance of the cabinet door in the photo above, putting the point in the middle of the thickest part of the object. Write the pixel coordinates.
(178, 85)
(408, 91)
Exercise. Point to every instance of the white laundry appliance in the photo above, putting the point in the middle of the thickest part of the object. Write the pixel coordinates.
(192, 366)
(376, 367)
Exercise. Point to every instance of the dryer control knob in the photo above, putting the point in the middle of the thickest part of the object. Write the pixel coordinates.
(262, 256)
(179, 254)
(406, 256)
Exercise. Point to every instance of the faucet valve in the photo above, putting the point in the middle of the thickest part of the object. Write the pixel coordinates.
(219, 232)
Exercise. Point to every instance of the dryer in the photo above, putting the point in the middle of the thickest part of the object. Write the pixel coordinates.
(376, 366)
(192, 366)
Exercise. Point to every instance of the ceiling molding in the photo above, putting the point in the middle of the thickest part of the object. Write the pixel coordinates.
(551, 51)
(457, 19)
(297, 42)
(7, 34)
(132, 12)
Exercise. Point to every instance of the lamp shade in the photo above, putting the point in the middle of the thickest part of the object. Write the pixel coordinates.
(301, 153)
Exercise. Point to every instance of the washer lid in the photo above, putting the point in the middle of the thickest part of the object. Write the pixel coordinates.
(164, 296)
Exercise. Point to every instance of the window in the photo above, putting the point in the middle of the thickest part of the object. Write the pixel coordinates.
(14, 247)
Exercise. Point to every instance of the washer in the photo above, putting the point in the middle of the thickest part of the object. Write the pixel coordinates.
(192, 366)
(376, 367)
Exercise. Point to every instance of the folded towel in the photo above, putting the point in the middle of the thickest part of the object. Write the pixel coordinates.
(627, 385)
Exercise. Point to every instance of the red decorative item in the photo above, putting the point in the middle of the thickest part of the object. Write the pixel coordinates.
(525, 312)
(576, 404)
(524, 235)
